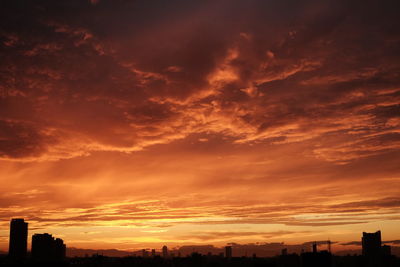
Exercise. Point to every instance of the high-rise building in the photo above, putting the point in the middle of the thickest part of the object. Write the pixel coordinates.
(46, 248)
(18, 239)
(228, 252)
(371, 244)
(165, 251)
(60, 249)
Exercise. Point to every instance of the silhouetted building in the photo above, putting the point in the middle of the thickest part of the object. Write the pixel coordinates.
(145, 253)
(60, 249)
(372, 249)
(165, 251)
(314, 247)
(228, 252)
(284, 252)
(371, 244)
(46, 248)
(153, 252)
(18, 239)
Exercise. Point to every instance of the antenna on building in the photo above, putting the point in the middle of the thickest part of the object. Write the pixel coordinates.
(329, 246)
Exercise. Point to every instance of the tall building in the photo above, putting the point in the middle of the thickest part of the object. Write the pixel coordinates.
(371, 244)
(228, 252)
(60, 249)
(46, 248)
(18, 239)
(165, 251)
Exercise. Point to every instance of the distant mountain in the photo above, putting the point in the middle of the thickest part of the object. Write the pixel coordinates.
(348, 252)
(80, 252)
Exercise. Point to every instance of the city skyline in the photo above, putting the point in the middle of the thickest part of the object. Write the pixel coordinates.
(45, 247)
(48, 251)
(131, 124)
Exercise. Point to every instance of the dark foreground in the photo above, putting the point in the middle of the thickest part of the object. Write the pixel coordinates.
(197, 260)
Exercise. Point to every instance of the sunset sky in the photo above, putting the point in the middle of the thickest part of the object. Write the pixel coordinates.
(134, 124)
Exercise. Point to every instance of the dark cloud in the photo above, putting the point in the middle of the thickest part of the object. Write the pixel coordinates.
(324, 242)
(81, 67)
(359, 243)
(19, 139)
(352, 243)
(392, 242)
(226, 235)
(377, 203)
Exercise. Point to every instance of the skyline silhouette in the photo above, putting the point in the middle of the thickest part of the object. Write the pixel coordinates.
(47, 251)
(258, 125)
(45, 246)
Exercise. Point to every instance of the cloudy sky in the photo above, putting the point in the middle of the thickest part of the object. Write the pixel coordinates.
(131, 124)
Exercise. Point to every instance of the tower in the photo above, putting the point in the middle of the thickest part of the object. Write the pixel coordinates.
(18, 239)
(329, 246)
(165, 252)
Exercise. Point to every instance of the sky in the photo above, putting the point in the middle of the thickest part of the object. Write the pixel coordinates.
(134, 124)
